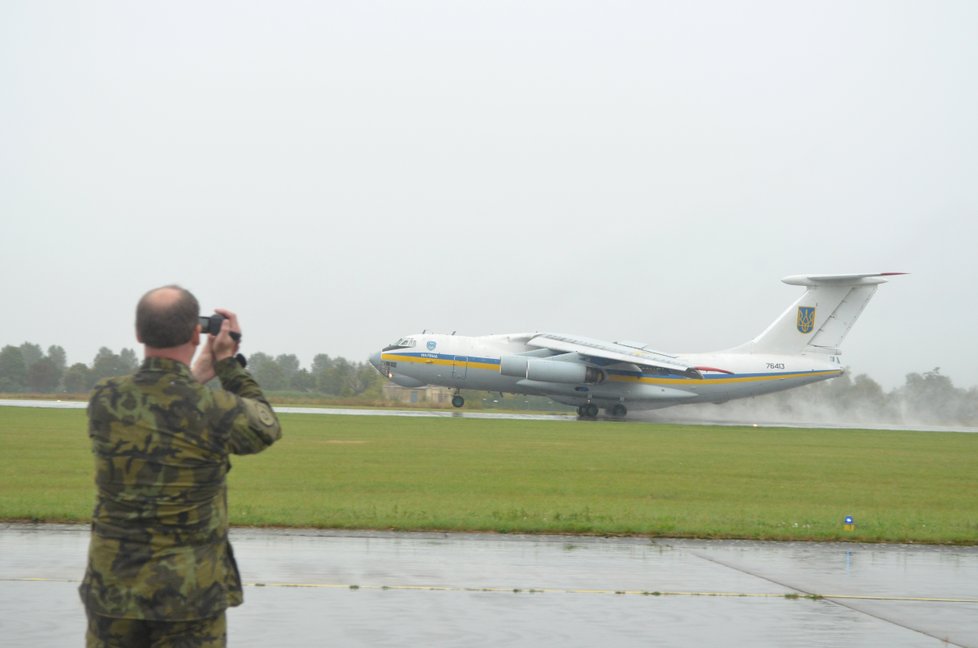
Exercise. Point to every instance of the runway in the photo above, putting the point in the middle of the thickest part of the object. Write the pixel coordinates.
(639, 417)
(314, 588)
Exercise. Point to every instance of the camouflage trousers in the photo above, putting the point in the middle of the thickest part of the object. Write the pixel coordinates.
(106, 632)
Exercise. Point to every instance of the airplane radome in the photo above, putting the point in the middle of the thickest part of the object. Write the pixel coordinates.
(798, 348)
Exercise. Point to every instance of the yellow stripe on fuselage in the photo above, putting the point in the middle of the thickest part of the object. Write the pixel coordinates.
(445, 362)
(645, 380)
(690, 382)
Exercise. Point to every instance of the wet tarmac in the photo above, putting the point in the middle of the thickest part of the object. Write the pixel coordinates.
(639, 417)
(322, 588)
(346, 411)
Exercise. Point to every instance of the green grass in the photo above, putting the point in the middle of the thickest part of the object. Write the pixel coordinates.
(369, 472)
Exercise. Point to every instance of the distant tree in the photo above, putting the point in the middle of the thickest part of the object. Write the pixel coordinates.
(13, 371)
(369, 381)
(31, 353)
(343, 377)
(867, 390)
(257, 359)
(267, 372)
(324, 375)
(321, 362)
(129, 361)
(289, 364)
(108, 364)
(77, 378)
(846, 395)
(302, 381)
(870, 401)
(333, 376)
(43, 376)
(58, 356)
(932, 397)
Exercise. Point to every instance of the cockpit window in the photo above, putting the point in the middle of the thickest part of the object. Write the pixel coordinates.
(403, 343)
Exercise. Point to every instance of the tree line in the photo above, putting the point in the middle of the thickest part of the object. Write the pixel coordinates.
(28, 369)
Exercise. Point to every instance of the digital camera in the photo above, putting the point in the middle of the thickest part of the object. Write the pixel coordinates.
(211, 325)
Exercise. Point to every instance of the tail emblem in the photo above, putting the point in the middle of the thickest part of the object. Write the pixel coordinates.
(806, 319)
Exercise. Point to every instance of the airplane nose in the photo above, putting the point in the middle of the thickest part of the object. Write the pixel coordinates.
(376, 361)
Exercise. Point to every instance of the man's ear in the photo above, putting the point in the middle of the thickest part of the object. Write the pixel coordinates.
(195, 338)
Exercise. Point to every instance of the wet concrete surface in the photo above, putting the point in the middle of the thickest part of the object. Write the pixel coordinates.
(323, 588)
(636, 417)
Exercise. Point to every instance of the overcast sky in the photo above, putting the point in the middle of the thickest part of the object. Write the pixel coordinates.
(344, 173)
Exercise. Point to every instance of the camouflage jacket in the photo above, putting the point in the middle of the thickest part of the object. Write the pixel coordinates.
(159, 548)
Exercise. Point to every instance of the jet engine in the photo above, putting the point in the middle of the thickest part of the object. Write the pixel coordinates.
(549, 370)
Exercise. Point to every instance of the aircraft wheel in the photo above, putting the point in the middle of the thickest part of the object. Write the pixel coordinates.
(457, 401)
(618, 411)
(591, 410)
(580, 410)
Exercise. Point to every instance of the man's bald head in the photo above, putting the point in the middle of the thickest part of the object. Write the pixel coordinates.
(166, 317)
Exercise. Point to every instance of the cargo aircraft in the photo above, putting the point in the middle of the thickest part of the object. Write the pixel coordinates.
(798, 348)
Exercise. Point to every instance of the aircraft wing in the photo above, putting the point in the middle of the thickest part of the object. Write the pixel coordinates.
(614, 351)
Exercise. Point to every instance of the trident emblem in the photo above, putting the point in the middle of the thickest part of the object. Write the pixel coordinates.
(806, 319)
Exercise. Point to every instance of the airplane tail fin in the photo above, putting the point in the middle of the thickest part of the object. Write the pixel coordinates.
(821, 318)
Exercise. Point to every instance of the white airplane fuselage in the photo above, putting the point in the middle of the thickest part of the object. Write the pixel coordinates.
(800, 347)
(464, 362)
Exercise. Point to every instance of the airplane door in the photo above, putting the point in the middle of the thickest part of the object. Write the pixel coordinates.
(460, 366)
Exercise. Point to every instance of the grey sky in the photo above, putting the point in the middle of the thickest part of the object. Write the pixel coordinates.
(345, 173)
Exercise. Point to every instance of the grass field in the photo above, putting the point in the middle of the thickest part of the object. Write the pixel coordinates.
(368, 472)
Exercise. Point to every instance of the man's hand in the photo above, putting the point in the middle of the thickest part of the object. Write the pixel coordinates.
(218, 347)
(223, 344)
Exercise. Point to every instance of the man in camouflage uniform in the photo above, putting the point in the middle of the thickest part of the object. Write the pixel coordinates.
(160, 567)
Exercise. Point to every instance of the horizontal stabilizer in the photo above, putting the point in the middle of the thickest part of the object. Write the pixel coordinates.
(848, 279)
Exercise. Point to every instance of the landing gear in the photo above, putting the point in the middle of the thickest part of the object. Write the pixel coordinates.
(457, 400)
(588, 411)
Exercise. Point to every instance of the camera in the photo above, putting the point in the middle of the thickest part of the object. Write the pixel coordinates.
(211, 325)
